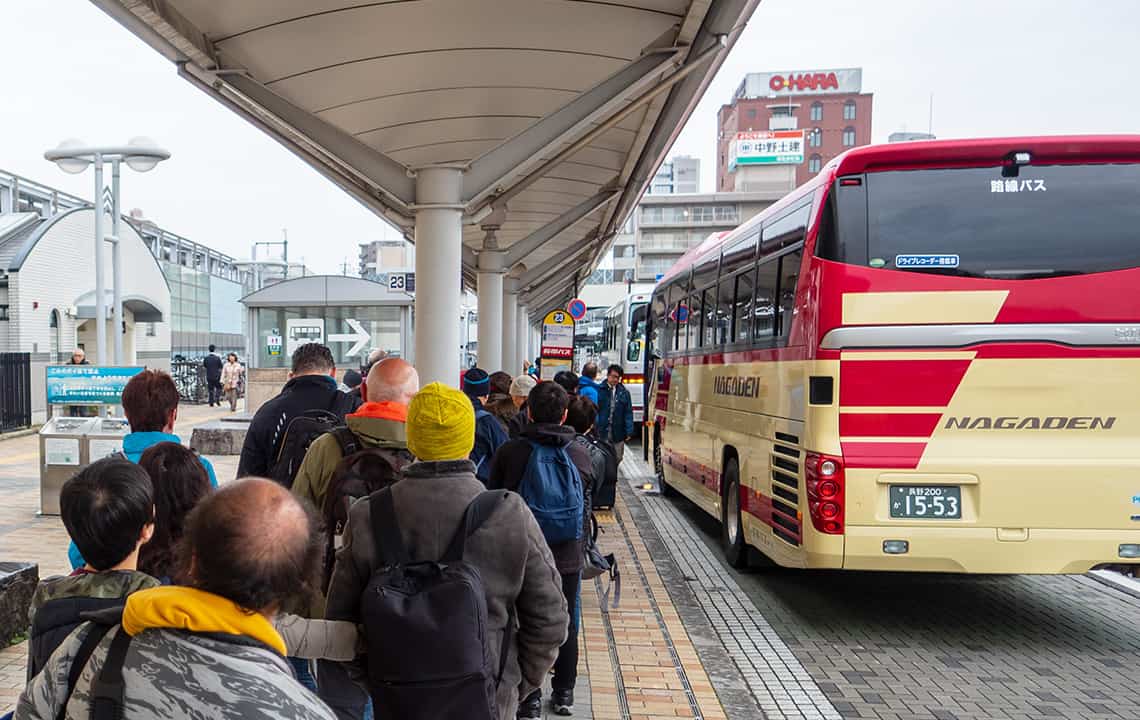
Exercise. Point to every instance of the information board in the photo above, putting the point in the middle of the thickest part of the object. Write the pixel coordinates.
(87, 384)
(557, 353)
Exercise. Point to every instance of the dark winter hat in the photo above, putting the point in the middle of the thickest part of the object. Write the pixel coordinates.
(352, 378)
(476, 382)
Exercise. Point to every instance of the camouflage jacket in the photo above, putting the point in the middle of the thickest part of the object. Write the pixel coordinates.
(178, 675)
(59, 602)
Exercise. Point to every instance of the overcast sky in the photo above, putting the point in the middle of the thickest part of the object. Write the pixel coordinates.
(995, 67)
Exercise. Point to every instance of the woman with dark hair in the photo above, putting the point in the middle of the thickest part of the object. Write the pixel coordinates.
(180, 482)
(499, 402)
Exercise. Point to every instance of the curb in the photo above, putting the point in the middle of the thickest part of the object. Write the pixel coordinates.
(20, 433)
(1117, 581)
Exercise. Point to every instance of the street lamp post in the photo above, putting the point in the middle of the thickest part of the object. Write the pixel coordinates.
(73, 156)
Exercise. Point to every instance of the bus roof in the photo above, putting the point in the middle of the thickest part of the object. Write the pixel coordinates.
(986, 151)
(920, 153)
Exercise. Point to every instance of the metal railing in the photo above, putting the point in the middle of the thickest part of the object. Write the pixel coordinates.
(15, 391)
(190, 379)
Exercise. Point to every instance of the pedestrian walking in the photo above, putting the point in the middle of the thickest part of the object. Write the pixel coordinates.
(525, 612)
(554, 475)
(568, 380)
(615, 411)
(213, 365)
(231, 378)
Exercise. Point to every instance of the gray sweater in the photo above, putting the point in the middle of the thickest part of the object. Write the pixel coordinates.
(509, 550)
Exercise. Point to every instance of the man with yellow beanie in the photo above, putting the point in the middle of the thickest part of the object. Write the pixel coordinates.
(509, 550)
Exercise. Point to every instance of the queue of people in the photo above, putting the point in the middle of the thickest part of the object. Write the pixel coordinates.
(481, 495)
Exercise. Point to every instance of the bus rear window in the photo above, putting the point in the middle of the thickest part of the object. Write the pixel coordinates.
(1049, 220)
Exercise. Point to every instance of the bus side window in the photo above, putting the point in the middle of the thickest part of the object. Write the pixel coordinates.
(763, 310)
(694, 313)
(789, 278)
(742, 306)
(725, 301)
(708, 324)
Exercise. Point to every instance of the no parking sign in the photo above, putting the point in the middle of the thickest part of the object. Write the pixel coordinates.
(576, 308)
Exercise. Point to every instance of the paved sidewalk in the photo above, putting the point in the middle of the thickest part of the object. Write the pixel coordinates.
(638, 659)
(27, 537)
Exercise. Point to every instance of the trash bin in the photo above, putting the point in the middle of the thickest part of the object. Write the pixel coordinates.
(105, 437)
(63, 453)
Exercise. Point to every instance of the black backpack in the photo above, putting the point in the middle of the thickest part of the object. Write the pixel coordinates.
(425, 624)
(604, 462)
(300, 433)
(361, 472)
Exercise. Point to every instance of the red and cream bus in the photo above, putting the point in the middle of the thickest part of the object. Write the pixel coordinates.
(927, 358)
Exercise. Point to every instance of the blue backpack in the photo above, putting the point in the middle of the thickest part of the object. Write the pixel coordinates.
(552, 487)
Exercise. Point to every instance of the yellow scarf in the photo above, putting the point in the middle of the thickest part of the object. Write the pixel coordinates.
(186, 608)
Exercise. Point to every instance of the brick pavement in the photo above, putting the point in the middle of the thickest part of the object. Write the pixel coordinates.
(637, 660)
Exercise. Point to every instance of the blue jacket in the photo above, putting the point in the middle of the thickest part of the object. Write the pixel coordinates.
(134, 445)
(587, 388)
(489, 435)
(622, 403)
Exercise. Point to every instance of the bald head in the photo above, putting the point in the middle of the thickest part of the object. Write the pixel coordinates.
(392, 380)
(258, 559)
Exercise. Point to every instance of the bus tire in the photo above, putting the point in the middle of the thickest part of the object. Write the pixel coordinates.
(731, 525)
(667, 490)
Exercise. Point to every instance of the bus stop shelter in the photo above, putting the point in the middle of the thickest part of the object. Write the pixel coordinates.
(509, 139)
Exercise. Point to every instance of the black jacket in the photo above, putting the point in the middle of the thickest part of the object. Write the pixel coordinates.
(508, 467)
(301, 394)
(213, 365)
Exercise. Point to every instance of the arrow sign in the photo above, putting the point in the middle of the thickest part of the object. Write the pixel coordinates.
(360, 336)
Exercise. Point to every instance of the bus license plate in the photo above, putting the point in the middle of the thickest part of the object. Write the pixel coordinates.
(926, 502)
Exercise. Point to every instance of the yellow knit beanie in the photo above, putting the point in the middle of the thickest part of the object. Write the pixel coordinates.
(441, 424)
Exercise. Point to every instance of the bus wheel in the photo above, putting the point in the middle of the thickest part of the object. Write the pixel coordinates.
(659, 467)
(731, 527)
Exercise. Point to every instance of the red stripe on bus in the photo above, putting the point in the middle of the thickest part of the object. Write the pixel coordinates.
(903, 383)
(887, 455)
(703, 474)
(888, 424)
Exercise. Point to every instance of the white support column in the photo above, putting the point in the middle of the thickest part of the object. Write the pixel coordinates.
(490, 292)
(512, 356)
(523, 337)
(439, 241)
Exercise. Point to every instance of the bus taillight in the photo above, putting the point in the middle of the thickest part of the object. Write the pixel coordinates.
(824, 477)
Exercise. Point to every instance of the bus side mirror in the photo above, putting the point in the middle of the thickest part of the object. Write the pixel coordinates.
(633, 351)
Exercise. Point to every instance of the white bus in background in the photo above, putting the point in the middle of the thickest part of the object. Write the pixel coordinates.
(623, 343)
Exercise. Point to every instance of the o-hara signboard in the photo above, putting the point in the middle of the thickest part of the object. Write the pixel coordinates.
(801, 82)
(768, 147)
(557, 352)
